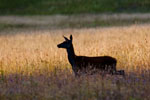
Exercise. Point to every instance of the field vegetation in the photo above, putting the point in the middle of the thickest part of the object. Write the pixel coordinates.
(48, 7)
(71, 21)
(32, 67)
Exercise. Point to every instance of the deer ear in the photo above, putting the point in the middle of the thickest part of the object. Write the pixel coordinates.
(66, 38)
(71, 37)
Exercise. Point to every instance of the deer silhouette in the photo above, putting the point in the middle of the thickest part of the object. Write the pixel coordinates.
(81, 63)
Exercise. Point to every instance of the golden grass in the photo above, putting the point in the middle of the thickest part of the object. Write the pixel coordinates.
(31, 60)
(130, 45)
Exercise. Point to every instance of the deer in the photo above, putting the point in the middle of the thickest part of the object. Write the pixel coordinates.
(81, 63)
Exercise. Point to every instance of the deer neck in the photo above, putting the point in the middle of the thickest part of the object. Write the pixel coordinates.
(71, 57)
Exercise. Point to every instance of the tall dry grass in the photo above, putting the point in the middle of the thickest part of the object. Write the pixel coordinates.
(32, 67)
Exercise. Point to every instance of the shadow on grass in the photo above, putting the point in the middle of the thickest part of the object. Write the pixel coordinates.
(63, 85)
(103, 23)
(4, 26)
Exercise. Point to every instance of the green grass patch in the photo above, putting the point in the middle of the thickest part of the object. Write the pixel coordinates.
(46, 7)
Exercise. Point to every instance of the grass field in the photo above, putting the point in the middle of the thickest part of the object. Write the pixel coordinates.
(32, 67)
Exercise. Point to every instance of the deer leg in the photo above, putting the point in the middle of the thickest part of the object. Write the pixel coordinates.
(120, 72)
(112, 69)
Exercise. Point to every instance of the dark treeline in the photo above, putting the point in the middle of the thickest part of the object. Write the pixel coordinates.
(47, 7)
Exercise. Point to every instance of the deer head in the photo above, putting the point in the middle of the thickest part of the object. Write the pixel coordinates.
(66, 44)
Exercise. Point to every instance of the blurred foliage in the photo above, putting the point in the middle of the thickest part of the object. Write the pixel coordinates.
(45, 7)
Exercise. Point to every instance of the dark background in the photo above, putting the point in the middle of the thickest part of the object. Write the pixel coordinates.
(48, 7)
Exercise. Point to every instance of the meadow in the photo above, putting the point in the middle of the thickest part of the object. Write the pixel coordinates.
(33, 68)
